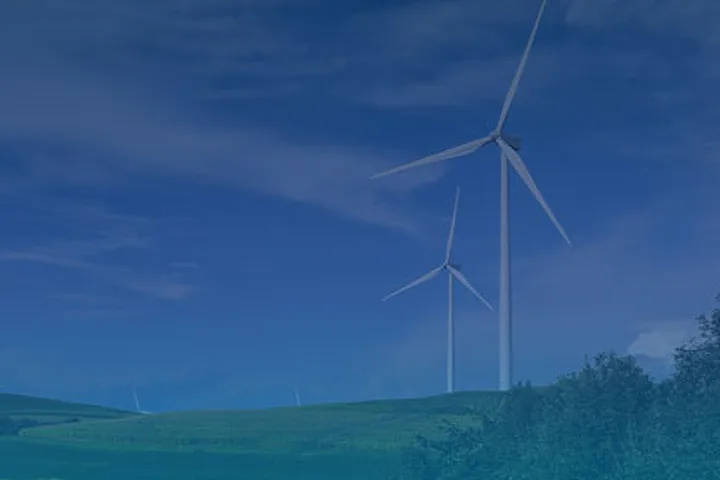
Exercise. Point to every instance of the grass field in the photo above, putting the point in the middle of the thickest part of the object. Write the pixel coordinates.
(24, 460)
(348, 441)
(358, 427)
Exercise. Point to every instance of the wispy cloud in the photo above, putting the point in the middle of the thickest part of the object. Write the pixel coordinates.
(140, 77)
(471, 81)
(698, 20)
(659, 340)
(460, 53)
(124, 123)
(103, 234)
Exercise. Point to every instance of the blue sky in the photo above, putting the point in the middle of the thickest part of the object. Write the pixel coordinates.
(186, 205)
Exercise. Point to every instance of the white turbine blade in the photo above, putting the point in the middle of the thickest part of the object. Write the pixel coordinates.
(415, 282)
(461, 278)
(521, 68)
(448, 247)
(519, 167)
(459, 151)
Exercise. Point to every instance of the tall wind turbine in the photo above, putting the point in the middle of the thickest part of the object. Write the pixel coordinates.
(509, 147)
(453, 273)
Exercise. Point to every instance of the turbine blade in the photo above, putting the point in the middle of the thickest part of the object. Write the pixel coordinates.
(519, 167)
(521, 68)
(461, 278)
(459, 151)
(448, 247)
(415, 282)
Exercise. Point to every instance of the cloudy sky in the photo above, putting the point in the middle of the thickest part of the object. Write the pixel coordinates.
(186, 205)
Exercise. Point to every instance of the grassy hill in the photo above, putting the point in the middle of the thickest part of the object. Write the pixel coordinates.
(334, 428)
(47, 411)
(352, 441)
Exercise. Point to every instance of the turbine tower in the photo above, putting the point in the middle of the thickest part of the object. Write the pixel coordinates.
(453, 273)
(509, 147)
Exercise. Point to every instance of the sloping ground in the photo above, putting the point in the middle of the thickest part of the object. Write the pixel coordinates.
(46, 411)
(379, 426)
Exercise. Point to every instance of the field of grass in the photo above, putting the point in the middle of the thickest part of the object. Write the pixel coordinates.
(46, 411)
(349, 441)
(378, 426)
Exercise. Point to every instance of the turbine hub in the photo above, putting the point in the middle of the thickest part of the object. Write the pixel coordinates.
(513, 141)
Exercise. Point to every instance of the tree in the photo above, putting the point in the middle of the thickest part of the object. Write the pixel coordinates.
(690, 414)
(697, 364)
(591, 417)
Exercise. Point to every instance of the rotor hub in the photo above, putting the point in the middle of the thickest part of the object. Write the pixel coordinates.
(514, 141)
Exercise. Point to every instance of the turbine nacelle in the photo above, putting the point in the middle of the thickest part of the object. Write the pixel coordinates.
(449, 265)
(514, 141)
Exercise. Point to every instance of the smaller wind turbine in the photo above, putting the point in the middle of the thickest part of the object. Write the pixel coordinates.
(297, 397)
(137, 402)
(453, 273)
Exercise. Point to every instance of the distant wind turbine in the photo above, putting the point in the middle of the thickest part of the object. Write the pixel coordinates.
(297, 397)
(453, 273)
(137, 402)
(509, 147)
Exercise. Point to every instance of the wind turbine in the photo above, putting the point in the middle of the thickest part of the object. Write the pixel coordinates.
(453, 273)
(509, 147)
(137, 402)
(297, 397)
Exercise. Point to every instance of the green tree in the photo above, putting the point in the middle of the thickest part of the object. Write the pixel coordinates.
(690, 414)
(590, 418)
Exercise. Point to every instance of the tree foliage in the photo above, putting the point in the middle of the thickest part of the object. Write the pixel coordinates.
(607, 421)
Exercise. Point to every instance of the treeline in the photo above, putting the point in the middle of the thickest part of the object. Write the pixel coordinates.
(608, 421)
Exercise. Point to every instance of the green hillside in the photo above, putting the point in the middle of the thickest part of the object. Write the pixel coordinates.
(47, 411)
(354, 441)
(377, 426)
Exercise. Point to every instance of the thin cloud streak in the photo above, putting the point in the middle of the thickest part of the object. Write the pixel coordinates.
(125, 137)
(122, 125)
(108, 233)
